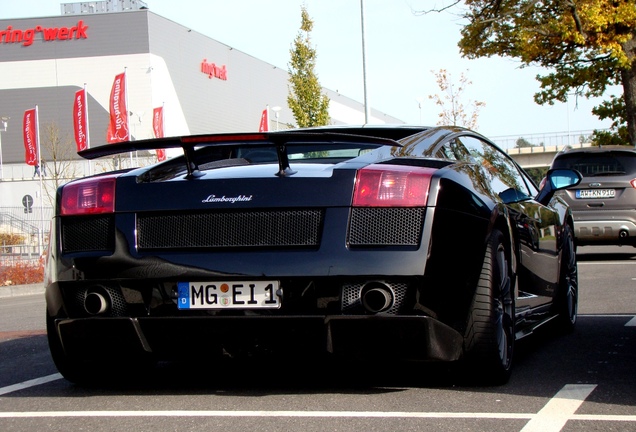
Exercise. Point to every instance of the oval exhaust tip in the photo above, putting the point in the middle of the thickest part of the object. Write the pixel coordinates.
(377, 297)
(95, 303)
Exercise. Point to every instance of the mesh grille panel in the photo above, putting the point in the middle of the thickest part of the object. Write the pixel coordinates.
(371, 226)
(88, 233)
(266, 228)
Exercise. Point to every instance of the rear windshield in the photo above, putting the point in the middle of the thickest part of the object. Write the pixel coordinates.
(326, 153)
(598, 164)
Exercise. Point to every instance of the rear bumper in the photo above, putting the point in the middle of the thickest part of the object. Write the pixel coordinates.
(614, 231)
(166, 338)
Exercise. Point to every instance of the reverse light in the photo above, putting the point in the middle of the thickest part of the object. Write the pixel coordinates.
(89, 196)
(392, 186)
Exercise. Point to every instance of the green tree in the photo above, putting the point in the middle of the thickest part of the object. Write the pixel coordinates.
(453, 112)
(522, 142)
(586, 45)
(537, 174)
(309, 106)
(615, 110)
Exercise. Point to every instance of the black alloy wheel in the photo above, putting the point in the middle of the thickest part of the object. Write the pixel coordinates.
(490, 335)
(567, 300)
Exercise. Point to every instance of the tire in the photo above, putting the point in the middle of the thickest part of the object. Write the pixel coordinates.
(567, 297)
(490, 335)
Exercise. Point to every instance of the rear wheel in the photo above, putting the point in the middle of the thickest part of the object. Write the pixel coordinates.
(567, 298)
(489, 338)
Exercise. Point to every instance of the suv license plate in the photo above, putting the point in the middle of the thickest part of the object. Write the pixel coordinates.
(595, 193)
(228, 295)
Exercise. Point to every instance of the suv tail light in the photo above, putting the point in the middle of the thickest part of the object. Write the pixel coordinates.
(392, 186)
(89, 196)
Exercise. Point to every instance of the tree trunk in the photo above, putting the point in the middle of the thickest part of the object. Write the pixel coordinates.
(628, 77)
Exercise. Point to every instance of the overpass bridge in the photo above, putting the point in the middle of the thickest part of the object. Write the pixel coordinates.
(538, 150)
(539, 157)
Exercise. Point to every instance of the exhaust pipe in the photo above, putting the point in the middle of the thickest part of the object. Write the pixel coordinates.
(623, 234)
(377, 297)
(96, 304)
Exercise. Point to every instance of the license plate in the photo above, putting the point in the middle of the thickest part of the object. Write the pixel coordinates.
(595, 193)
(228, 295)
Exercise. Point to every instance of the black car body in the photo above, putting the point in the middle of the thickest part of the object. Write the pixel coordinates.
(338, 240)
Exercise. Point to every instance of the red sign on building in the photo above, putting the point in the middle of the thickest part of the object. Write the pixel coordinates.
(26, 37)
(214, 71)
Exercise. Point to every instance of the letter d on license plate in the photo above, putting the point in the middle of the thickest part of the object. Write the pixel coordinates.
(228, 295)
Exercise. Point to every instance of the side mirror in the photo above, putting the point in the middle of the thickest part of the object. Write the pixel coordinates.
(557, 179)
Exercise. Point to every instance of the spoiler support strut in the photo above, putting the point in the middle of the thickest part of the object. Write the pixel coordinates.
(284, 169)
(191, 165)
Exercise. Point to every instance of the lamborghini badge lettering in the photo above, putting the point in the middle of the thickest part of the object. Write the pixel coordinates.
(224, 199)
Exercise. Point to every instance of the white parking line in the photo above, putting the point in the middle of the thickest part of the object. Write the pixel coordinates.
(555, 414)
(631, 322)
(319, 414)
(307, 414)
(551, 418)
(30, 383)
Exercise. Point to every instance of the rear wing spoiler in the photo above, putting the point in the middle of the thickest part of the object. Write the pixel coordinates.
(281, 140)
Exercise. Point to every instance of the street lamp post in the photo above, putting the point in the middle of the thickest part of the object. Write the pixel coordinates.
(367, 109)
(3, 129)
(276, 110)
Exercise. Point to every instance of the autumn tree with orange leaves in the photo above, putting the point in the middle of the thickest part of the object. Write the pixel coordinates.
(587, 46)
(451, 101)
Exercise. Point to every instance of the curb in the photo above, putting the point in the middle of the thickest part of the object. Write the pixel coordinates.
(21, 290)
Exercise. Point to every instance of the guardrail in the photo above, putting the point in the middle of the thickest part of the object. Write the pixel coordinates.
(536, 157)
(9, 254)
(545, 140)
(544, 149)
(538, 150)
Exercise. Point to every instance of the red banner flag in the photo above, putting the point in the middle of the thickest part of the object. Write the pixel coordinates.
(264, 126)
(157, 122)
(157, 128)
(118, 126)
(161, 155)
(80, 120)
(30, 129)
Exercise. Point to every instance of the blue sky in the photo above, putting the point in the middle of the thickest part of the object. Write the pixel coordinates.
(402, 50)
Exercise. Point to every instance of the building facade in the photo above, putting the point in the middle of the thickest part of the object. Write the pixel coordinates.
(203, 85)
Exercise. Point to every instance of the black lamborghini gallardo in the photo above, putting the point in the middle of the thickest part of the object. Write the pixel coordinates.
(396, 243)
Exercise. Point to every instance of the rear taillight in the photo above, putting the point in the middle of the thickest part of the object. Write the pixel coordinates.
(89, 196)
(392, 186)
(633, 183)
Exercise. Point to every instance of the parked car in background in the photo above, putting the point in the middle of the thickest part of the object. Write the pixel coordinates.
(604, 203)
(391, 243)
